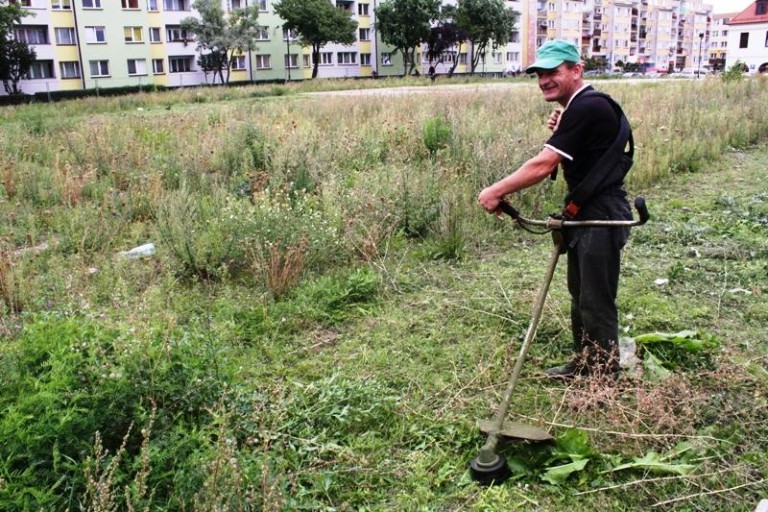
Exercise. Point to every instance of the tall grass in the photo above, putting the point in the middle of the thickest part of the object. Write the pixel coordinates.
(346, 173)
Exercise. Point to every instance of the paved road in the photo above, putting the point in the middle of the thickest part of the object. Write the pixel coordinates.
(426, 89)
(439, 88)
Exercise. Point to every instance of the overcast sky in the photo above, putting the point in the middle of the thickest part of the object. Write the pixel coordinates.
(720, 6)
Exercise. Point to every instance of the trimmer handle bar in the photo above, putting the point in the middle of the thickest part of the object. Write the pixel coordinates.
(559, 223)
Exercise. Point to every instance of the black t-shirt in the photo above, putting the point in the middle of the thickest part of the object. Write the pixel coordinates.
(588, 127)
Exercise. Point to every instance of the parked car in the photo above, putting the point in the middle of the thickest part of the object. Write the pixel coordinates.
(688, 73)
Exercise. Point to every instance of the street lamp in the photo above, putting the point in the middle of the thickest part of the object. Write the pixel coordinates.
(701, 40)
(287, 50)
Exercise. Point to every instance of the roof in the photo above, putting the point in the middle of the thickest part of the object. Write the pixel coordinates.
(749, 15)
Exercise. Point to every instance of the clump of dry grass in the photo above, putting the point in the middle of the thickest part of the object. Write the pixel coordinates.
(9, 285)
(102, 489)
(280, 265)
(8, 177)
(225, 486)
(631, 412)
(367, 227)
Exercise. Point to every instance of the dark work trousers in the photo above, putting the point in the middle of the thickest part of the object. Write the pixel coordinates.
(594, 258)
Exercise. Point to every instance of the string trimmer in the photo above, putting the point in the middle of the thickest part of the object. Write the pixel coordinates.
(489, 467)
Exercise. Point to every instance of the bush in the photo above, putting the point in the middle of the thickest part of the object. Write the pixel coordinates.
(734, 73)
(195, 229)
(65, 380)
(438, 134)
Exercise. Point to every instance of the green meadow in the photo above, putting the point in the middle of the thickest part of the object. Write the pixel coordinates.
(325, 313)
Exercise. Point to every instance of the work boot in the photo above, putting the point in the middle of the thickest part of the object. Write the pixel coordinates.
(568, 371)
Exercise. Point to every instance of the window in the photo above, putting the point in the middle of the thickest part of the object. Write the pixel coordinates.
(137, 66)
(761, 8)
(99, 68)
(40, 69)
(744, 40)
(346, 58)
(365, 59)
(174, 33)
(154, 35)
(176, 5)
(289, 35)
(25, 3)
(305, 58)
(362, 9)
(69, 69)
(91, 4)
(292, 60)
(262, 33)
(31, 34)
(65, 35)
(326, 58)
(180, 64)
(133, 35)
(95, 35)
(463, 58)
(238, 63)
(238, 4)
(130, 4)
(386, 59)
(496, 57)
(365, 34)
(61, 5)
(262, 5)
(157, 67)
(766, 39)
(263, 62)
(152, 5)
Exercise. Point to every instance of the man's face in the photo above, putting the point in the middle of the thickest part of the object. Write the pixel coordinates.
(560, 83)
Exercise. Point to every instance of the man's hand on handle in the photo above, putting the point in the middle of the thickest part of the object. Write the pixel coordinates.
(554, 119)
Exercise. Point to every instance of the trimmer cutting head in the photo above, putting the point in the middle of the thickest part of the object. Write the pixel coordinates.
(491, 472)
(490, 468)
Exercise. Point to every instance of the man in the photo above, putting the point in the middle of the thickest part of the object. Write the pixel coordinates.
(583, 130)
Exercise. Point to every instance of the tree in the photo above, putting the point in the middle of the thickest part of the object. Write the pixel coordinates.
(16, 57)
(405, 25)
(485, 21)
(444, 37)
(317, 23)
(10, 15)
(219, 35)
(594, 63)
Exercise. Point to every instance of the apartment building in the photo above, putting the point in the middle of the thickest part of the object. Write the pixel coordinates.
(718, 40)
(748, 38)
(87, 44)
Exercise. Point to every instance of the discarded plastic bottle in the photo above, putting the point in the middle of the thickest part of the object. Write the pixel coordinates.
(140, 251)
